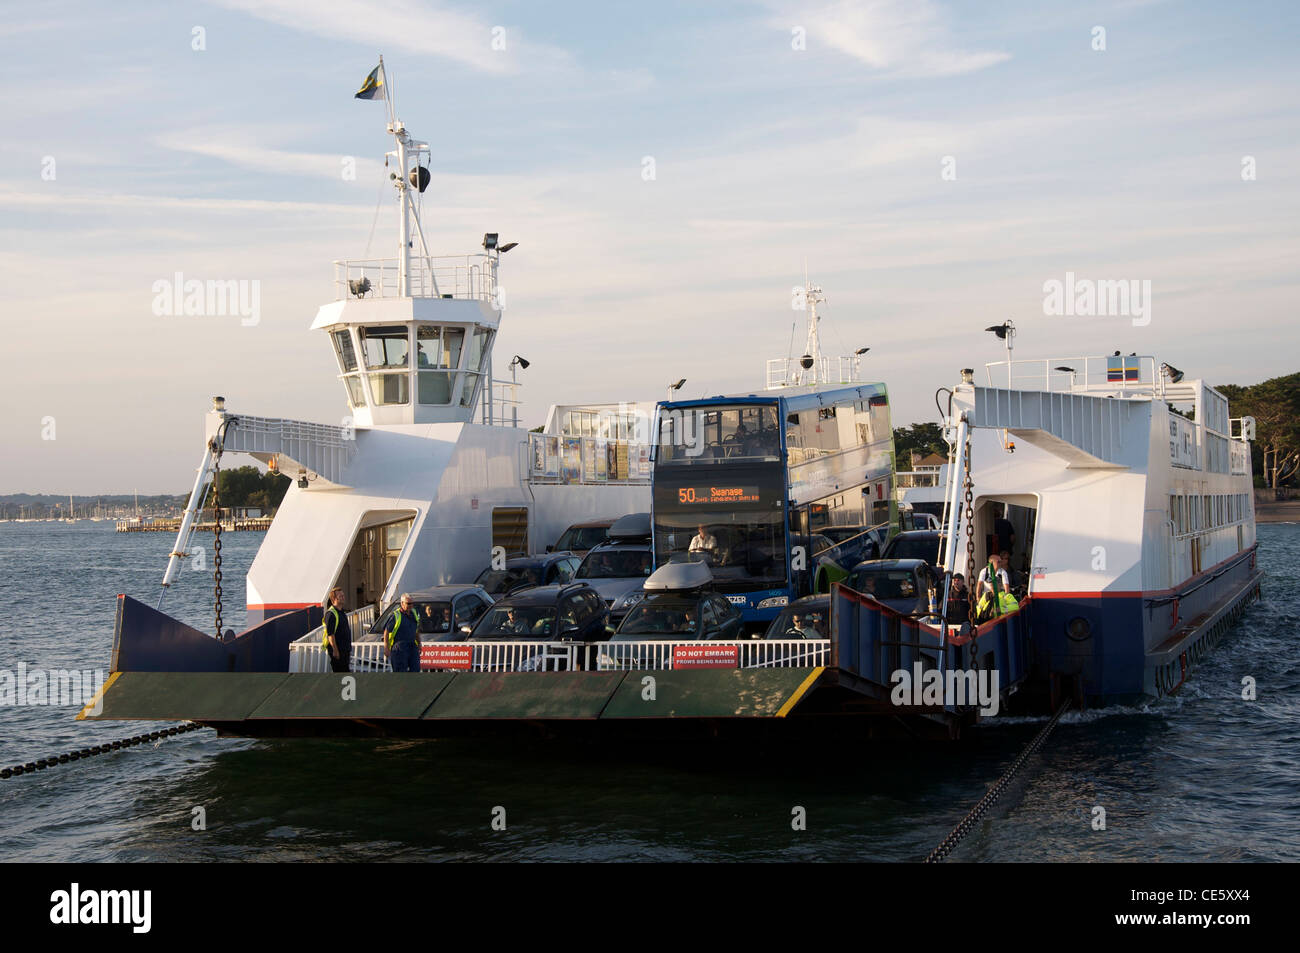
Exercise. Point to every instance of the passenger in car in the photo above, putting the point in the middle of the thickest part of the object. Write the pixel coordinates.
(433, 620)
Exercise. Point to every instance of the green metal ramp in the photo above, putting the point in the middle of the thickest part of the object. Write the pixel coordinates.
(369, 695)
(168, 696)
(720, 693)
(526, 695)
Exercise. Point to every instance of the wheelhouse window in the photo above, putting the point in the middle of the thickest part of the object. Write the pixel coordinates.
(344, 350)
(479, 345)
(438, 351)
(385, 347)
(386, 351)
(347, 358)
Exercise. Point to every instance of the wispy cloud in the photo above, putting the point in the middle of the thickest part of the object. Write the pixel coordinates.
(902, 37)
(410, 26)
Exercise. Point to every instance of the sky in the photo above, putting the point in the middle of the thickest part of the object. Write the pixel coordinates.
(932, 164)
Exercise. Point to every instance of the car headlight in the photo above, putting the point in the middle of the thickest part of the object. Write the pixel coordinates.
(775, 602)
(628, 600)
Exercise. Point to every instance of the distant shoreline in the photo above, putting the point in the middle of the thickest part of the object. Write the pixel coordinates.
(1284, 511)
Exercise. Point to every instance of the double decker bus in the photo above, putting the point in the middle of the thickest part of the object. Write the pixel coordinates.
(747, 483)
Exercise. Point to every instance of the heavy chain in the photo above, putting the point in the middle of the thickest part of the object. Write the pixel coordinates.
(216, 545)
(969, 519)
(967, 823)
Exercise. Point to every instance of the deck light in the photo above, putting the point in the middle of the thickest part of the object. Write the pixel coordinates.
(1067, 370)
(520, 361)
(219, 404)
(489, 240)
(860, 351)
(1175, 375)
(506, 247)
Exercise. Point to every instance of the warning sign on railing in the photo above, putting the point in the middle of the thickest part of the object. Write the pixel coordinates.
(446, 656)
(706, 656)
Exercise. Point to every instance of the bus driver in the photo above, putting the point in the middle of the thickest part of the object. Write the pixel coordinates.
(704, 541)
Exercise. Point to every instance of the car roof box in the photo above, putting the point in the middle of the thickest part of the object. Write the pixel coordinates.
(685, 575)
(632, 526)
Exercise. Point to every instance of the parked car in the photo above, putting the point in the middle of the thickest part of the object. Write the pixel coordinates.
(914, 544)
(617, 568)
(546, 569)
(680, 604)
(571, 612)
(583, 536)
(902, 584)
(442, 611)
(813, 614)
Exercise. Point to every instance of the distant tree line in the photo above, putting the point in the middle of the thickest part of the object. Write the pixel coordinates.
(249, 486)
(922, 438)
(1275, 405)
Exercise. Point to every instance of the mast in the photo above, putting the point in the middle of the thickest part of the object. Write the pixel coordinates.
(407, 189)
(812, 356)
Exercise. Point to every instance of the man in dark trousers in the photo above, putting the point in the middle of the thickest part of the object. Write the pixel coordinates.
(337, 641)
(1004, 534)
(402, 638)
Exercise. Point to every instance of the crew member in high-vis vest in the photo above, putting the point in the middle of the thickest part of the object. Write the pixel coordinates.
(402, 638)
(337, 638)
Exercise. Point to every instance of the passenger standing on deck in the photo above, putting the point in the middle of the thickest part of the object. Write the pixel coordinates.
(1004, 534)
(999, 563)
(958, 600)
(402, 638)
(337, 641)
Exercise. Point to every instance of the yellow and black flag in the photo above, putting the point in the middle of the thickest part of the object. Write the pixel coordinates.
(373, 87)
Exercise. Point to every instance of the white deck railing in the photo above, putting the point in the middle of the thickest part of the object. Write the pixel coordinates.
(448, 276)
(749, 653)
(306, 655)
(300, 649)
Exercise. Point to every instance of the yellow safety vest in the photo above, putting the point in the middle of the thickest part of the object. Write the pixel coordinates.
(397, 624)
(325, 629)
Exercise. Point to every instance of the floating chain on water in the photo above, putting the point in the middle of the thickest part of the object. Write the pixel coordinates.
(42, 763)
(966, 823)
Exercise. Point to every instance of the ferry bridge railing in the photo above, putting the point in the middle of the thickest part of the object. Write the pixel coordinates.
(1077, 375)
(442, 276)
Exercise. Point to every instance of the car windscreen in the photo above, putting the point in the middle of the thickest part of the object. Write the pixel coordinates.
(497, 581)
(518, 622)
(885, 584)
(662, 619)
(619, 564)
(582, 538)
(922, 547)
(797, 622)
(434, 616)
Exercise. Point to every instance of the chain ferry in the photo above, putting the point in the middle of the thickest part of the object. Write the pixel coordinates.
(1120, 490)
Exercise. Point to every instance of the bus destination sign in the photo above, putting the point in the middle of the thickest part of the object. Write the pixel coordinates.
(718, 495)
